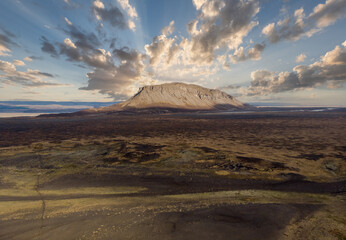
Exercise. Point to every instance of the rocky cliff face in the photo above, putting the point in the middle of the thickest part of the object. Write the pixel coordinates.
(179, 96)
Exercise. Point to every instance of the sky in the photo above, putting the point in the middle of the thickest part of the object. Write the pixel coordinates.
(271, 51)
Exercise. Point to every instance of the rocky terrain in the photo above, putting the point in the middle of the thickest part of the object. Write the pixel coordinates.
(263, 175)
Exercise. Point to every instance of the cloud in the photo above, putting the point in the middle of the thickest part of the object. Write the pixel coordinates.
(131, 12)
(218, 29)
(229, 87)
(299, 25)
(83, 40)
(30, 78)
(117, 81)
(159, 49)
(327, 13)
(168, 30)
(114, 72)
(330, 70)
(220, 24)
(69, 43)
(67, 21)
(253, 53)
(112, 14)
(300, 58)
(48, 47)
(31, 58)
(70, 3)
(6, 40)
(18, 63)
(28, 59)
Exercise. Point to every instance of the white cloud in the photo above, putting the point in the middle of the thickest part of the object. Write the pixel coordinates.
(4, 51)
(330, 70)
(68, 21)
(28, 59)
(300, 58)
(69, 43)
(30, 78)
(253, 53)
(220, 24)
(131, 12)
(300, 25)
(18, 63)
(98, 4)
(327, 13)
(168, 30)
(199, 3)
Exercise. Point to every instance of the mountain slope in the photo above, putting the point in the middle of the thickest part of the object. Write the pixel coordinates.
(178, 96)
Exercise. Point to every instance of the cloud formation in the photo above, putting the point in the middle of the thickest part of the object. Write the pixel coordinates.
(113, 72)
(218, 29)
(330, 70)
(131, 12)
(48, 47)
(117, 81)
(300, 58)
(297, 26)
(6, 41)
(253, 53)
(67, 21)
(18, 62)
(28, 59)
(113, 15)
(168, 30)
(221, 24)
(31, 78)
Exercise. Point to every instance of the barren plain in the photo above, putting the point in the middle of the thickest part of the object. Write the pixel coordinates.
(264, 175)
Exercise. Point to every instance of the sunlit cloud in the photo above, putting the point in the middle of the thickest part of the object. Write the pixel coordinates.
(299, 25)
(300, 58)
(30, 78)
(331, 69)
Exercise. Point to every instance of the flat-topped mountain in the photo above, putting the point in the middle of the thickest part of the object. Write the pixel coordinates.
(177, 96)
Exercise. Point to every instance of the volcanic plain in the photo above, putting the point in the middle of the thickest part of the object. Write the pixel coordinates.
(259, 175)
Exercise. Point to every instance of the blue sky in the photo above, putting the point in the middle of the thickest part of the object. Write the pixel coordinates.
(290, 52)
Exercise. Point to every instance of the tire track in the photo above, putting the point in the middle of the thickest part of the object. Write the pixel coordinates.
(43, 203)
